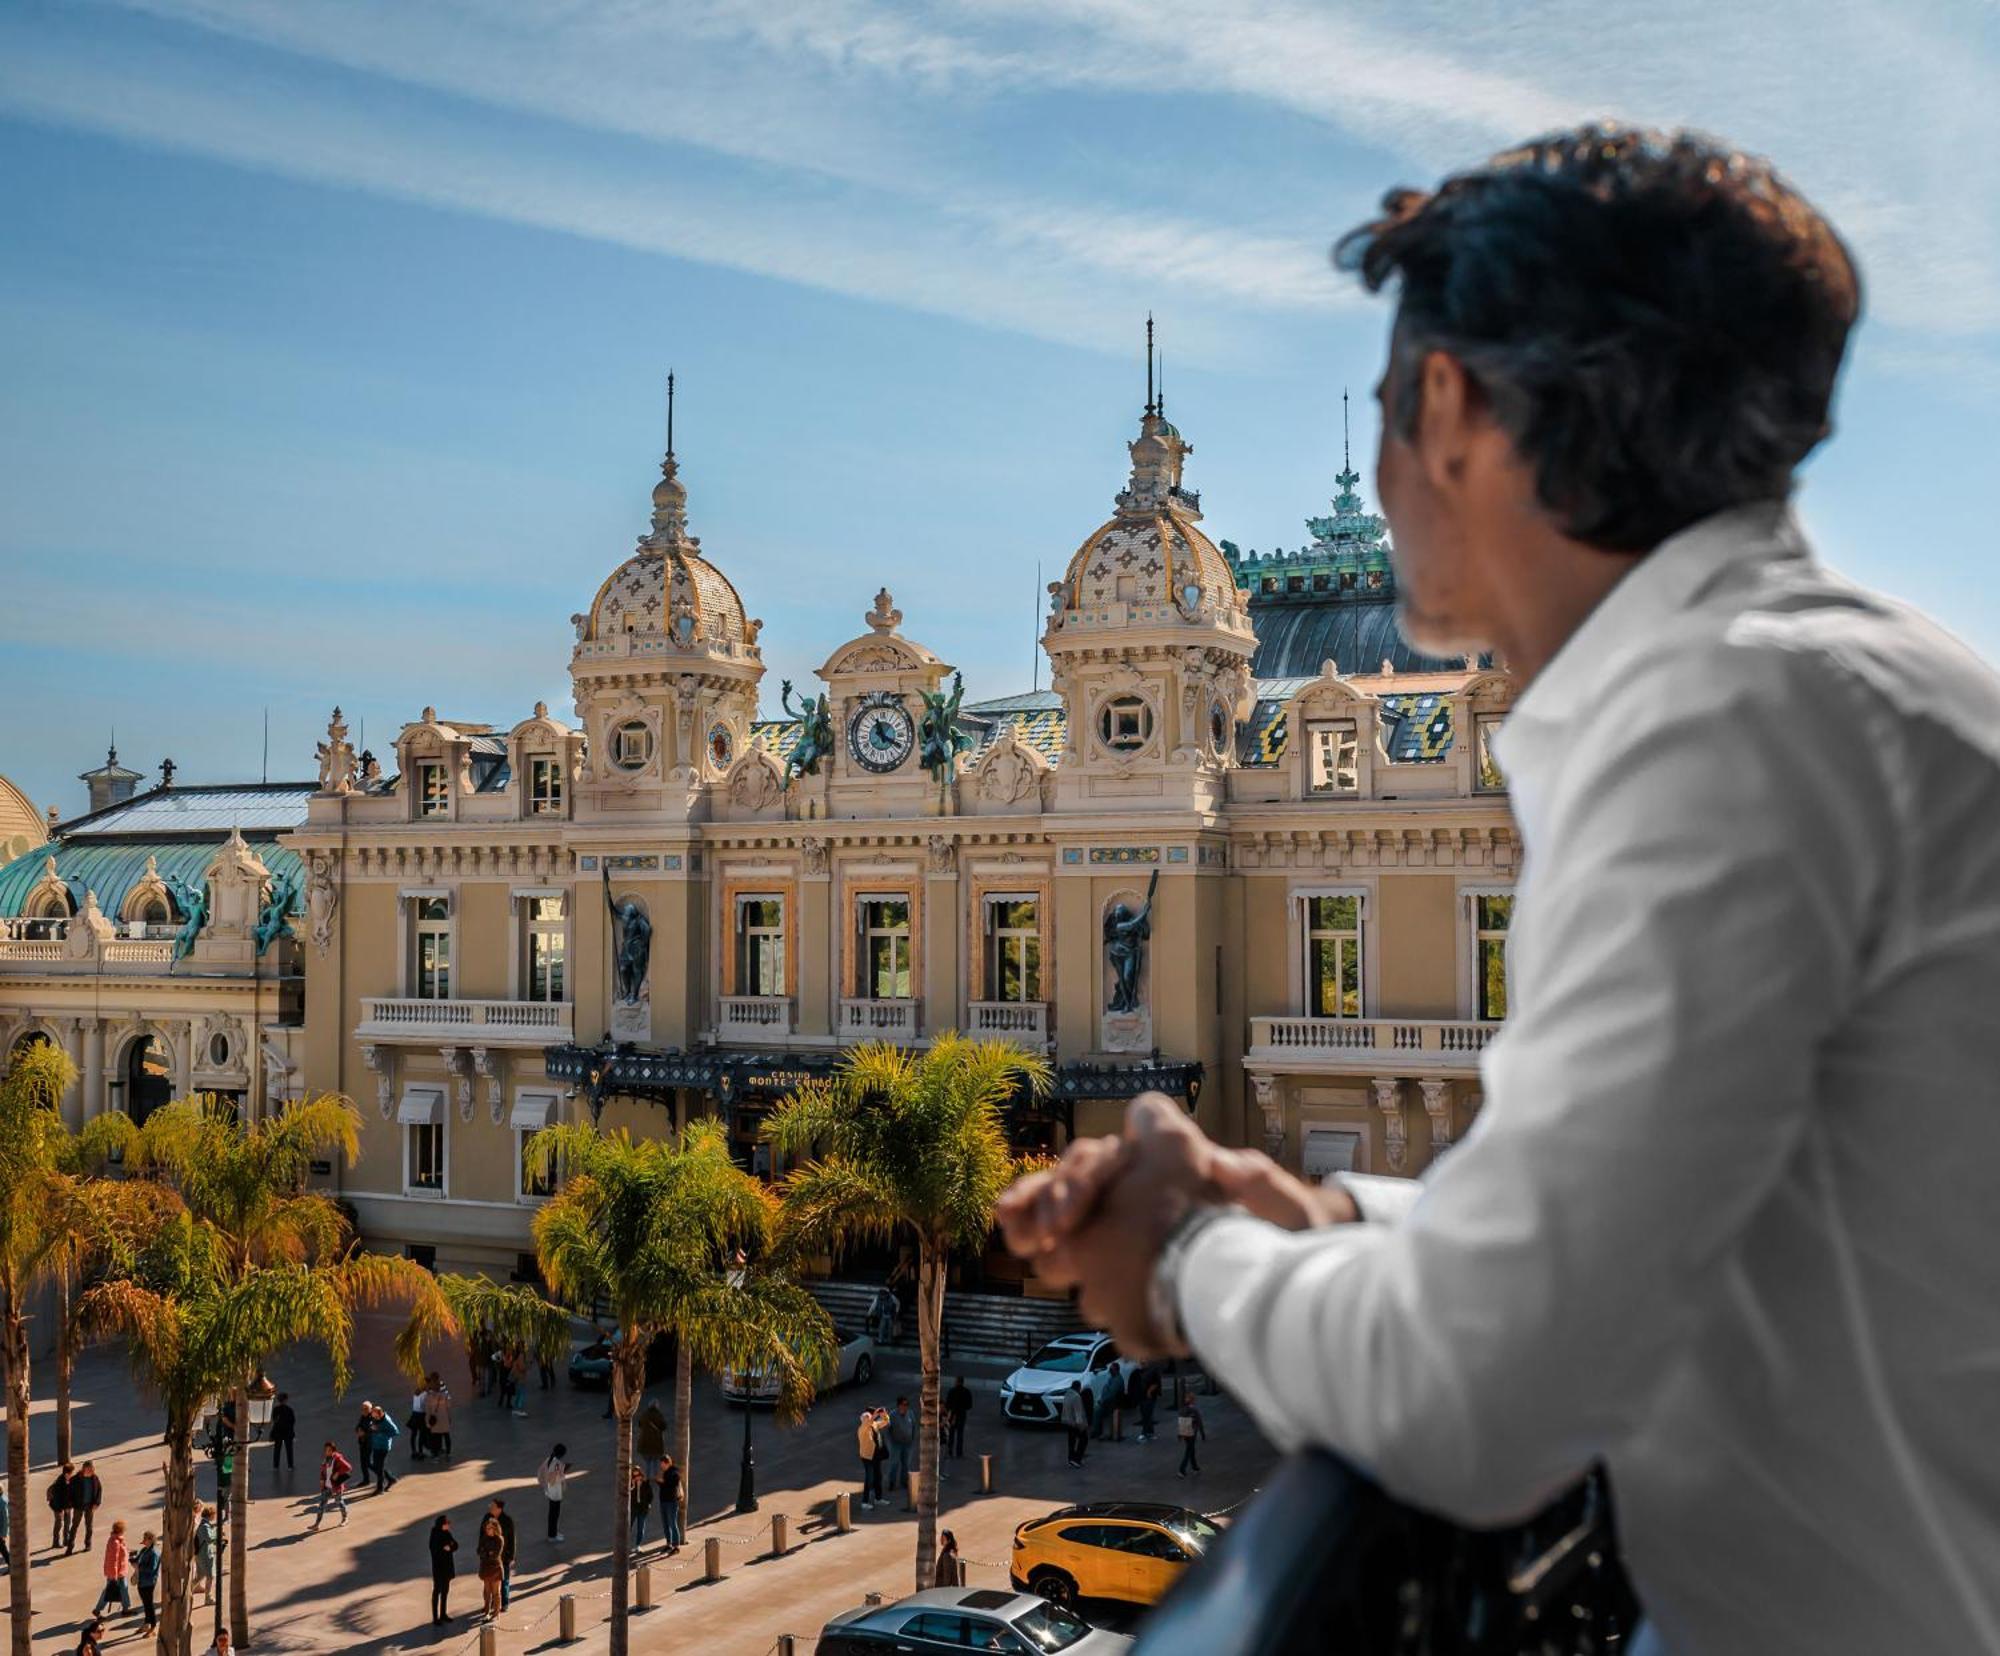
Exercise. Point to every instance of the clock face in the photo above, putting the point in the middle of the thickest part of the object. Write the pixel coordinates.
(880, 732)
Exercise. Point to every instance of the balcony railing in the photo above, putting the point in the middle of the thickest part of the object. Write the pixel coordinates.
(32, 948)
(135, 951)
(475, 1022)
(1024, 1022)
(878, 1020)
(1369, 1045)
(755, 1017)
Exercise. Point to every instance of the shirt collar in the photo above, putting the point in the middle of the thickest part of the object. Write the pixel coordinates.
(1667, 580)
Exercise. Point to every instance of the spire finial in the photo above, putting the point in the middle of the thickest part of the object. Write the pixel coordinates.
(1150, 407)
(670, 413)
(1160, 396)
(1346, 451)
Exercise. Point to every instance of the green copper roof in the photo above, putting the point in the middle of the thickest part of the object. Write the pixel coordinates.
(113, 868)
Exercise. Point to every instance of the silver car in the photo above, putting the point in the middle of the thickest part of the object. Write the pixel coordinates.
(965, 1618)
(857, 1365)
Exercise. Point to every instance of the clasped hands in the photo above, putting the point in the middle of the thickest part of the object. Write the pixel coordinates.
(1100, 1216)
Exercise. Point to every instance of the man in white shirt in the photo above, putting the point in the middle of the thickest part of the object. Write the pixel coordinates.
(1726, 1221)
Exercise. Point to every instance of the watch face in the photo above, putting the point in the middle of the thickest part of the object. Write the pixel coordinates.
(880, 732)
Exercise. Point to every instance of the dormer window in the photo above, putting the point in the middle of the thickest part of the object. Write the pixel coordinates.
(545, 787)
(1333, 752)
(632, 745)
(433, 797)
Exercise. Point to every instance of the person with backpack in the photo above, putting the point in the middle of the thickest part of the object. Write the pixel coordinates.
(146, 1576)
(334, 1471)
(284, 1433)
(1190, 1428)
(555, 1471)
(442, 1544)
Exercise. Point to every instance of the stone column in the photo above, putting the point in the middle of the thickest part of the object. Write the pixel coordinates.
(94, 1101)
(71, 1030)
(1389, 1100)
(184, 1059)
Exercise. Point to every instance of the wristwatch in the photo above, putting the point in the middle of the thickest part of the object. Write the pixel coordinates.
(1163, 1291)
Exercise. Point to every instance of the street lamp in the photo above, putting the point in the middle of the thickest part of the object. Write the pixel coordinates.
(260, 1391)
(746, 1478)
(221, 1447)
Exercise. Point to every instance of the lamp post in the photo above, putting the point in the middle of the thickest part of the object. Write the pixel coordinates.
(221, 1447)
(260, 1391)
(746, 1477)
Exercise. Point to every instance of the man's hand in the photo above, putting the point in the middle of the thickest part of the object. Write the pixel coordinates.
(1252, 1180)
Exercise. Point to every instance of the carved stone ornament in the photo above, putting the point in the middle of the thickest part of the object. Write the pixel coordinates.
(943, 854)
(1437, 1105)
(456, 1066)
(884, 617)
(1266, 1088)
(385, 1094)
(1011, 770)
(484, 1066)
(756, 784)
(322, 900)
(812, 854)
(1389, 1100)
(336, 758)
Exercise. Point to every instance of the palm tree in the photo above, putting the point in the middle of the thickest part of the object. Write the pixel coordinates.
(912, 1143)
(674, 1238)
(194, 1324)
(507, 1315)
(248, 1184)
(50, 1219)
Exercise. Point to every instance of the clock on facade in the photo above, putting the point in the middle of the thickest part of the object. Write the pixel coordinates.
(880, 732)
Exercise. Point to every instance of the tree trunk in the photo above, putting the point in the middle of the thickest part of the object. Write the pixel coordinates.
(21, 1542)
(628, 1379)
(684, 1419)
(239, 1527)
(930, 1319)
(65, 1366)
(177, 1541)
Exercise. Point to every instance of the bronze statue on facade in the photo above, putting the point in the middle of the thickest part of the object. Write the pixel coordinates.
(815, 731)
(939, 740)
(631, 941)
(1126, 931)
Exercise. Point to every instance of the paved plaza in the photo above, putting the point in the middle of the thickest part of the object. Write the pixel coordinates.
(365, 1586)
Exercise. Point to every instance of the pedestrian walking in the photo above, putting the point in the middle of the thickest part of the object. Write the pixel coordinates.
(639, 1498)
(86, 1496)
(90, 1642)
(1148, 1382)
(1105, 1390)
(1075, 1422)
(382, 1434)
(284, 1432)
(650, 1436)
(882, 1311)
(59, 1498)
(881, 1457)
(947, 1573)
(496, 1509)
(517, 1375)
(957, 1407)
(555, 1470)
(117, 1572)
(491, 1545)
(902, 1444)
(437, 1416)
(146, 1576)
(364, 1442)
(443, 1545)
(6, 1525)
(670, 1503)
(864, 1438)
(334, 1471)
(417, 1424)
(1191, 1428)
(204, 1554)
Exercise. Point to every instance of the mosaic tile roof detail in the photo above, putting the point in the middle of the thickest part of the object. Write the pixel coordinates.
(777, 737)
(1043, 729)
(1416, 728)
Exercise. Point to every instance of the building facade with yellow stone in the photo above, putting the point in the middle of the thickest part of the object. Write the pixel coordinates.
(1246, 850)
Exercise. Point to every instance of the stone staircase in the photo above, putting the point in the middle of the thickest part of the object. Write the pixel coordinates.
(979, 1325)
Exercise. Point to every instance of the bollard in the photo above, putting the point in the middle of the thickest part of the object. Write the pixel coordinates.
(566, 1618)
(489, 1641)
(787, 1645)
(711, 1559)
(986, 1474)
(961, 1566)
(644, 1598)
(843, 1513)
(910, 1494)
(780, 1536)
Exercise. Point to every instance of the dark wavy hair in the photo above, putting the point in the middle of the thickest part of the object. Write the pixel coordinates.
(1655, 320)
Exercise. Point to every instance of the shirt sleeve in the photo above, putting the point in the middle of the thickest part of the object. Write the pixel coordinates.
(1381, 1201)
(1710, 858)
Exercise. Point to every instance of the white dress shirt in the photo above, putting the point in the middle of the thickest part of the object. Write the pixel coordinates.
(1730, 1216)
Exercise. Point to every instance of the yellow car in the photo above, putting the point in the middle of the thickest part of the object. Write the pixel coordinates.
(1128, 1550)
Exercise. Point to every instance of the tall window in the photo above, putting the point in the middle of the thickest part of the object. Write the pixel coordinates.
(760, 945)
(433, 940)
(425, 1170)
(1333, 755)
(1013, 949)
(545, 796)
(1333, 957)
(545, 978)
(885, 948)
(1486, 768)
(1490, 916)
(432, 797)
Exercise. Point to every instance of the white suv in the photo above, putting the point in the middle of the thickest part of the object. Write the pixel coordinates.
(1034, 1392)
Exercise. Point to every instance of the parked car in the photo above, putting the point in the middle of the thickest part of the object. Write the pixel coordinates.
(857, 1364)
(590, 1364)
(1032, 1392)
(959, 1619)
(1127, 1550)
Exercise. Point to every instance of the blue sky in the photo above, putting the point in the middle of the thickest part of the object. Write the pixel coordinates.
(333, 332)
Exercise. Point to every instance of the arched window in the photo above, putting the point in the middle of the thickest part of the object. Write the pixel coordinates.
(149, 1081)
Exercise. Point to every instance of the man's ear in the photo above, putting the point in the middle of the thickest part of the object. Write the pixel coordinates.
(1449, 414)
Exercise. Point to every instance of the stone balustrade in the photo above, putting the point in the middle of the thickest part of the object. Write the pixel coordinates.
(879, 1020)
(470, 1022)
(755, 1017)
(1023, 1022)
(1364, 1046)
